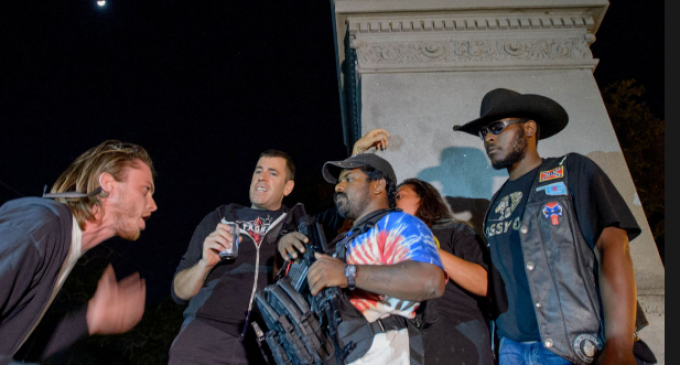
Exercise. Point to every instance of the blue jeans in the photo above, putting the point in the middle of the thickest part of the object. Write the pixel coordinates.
(527, 353)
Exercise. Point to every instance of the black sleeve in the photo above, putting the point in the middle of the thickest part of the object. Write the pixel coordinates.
(463, 242)
(331, 221)
(23, 254)
(597, 202)
(18, 261)
(471, 246)
(17, 250)
(56, 332)
(195, 250)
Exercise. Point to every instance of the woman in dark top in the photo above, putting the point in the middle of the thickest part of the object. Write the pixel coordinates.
(460, 334)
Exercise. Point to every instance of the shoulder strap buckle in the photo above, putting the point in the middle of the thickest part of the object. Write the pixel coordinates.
(380, 324)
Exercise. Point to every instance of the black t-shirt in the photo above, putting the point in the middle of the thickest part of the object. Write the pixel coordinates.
(460, 334)
(598, 205)
(254, 223)
(502, 231)
(223, 300)
(457, 304)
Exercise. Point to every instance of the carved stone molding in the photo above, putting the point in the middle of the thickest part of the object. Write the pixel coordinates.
(500, 23)
(457, 52)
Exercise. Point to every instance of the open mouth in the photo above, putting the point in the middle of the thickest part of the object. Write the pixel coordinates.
(142, 226)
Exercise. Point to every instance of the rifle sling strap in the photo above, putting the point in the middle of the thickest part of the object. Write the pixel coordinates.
(393, 322)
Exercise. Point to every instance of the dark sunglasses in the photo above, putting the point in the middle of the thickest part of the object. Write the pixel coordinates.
(497, 127)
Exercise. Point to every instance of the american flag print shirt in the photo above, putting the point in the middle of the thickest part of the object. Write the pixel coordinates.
(395, 238)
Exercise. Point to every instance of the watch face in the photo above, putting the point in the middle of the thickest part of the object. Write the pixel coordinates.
(350, 274)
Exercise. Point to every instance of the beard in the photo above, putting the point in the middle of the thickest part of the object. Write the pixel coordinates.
(129, 234)
(125, 230)
(350, 208)
(342, 204)
(125, 227)
(515, 154)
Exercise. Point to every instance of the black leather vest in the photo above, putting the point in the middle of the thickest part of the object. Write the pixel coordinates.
(561, 268)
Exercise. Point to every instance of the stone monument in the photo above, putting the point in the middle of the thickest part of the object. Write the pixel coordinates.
(417, 68)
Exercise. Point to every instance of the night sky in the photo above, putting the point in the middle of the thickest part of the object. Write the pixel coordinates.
(205, 87)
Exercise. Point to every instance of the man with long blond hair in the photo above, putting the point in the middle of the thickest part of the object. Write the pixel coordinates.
(107, 191)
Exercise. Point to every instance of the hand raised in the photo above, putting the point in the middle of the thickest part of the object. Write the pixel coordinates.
(116, 307)
(378, 138)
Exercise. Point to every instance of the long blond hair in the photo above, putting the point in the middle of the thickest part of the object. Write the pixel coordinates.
(82, 175)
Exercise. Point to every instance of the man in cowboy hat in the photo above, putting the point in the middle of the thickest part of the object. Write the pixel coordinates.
(558, 233)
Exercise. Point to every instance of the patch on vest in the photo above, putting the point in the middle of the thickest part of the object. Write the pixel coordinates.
(557, 188)
(586, 346)
(552, 211)
(556, 173)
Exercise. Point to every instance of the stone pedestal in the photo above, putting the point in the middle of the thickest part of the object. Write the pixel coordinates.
(417, 68)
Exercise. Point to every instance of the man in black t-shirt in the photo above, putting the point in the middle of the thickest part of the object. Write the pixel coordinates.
(219, 292)
(558, 234)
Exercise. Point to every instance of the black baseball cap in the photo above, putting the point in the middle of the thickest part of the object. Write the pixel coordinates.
(332, 169)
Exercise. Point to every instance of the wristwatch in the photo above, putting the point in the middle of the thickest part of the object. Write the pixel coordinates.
(350, 274)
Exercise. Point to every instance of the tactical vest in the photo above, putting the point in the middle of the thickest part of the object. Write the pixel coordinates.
(561, 267)
(354, 331)
(327, 329)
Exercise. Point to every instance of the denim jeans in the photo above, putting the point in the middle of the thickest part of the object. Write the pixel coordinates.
(527, 353)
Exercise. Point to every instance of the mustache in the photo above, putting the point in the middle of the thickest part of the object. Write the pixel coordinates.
(489, 147)
(337, 195)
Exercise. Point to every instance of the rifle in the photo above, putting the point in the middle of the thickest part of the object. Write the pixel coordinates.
(330, 329)
(297, 270)
(323, 304)
(295, 333)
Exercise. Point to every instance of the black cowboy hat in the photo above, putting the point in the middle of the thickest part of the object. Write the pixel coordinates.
(503, 103)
